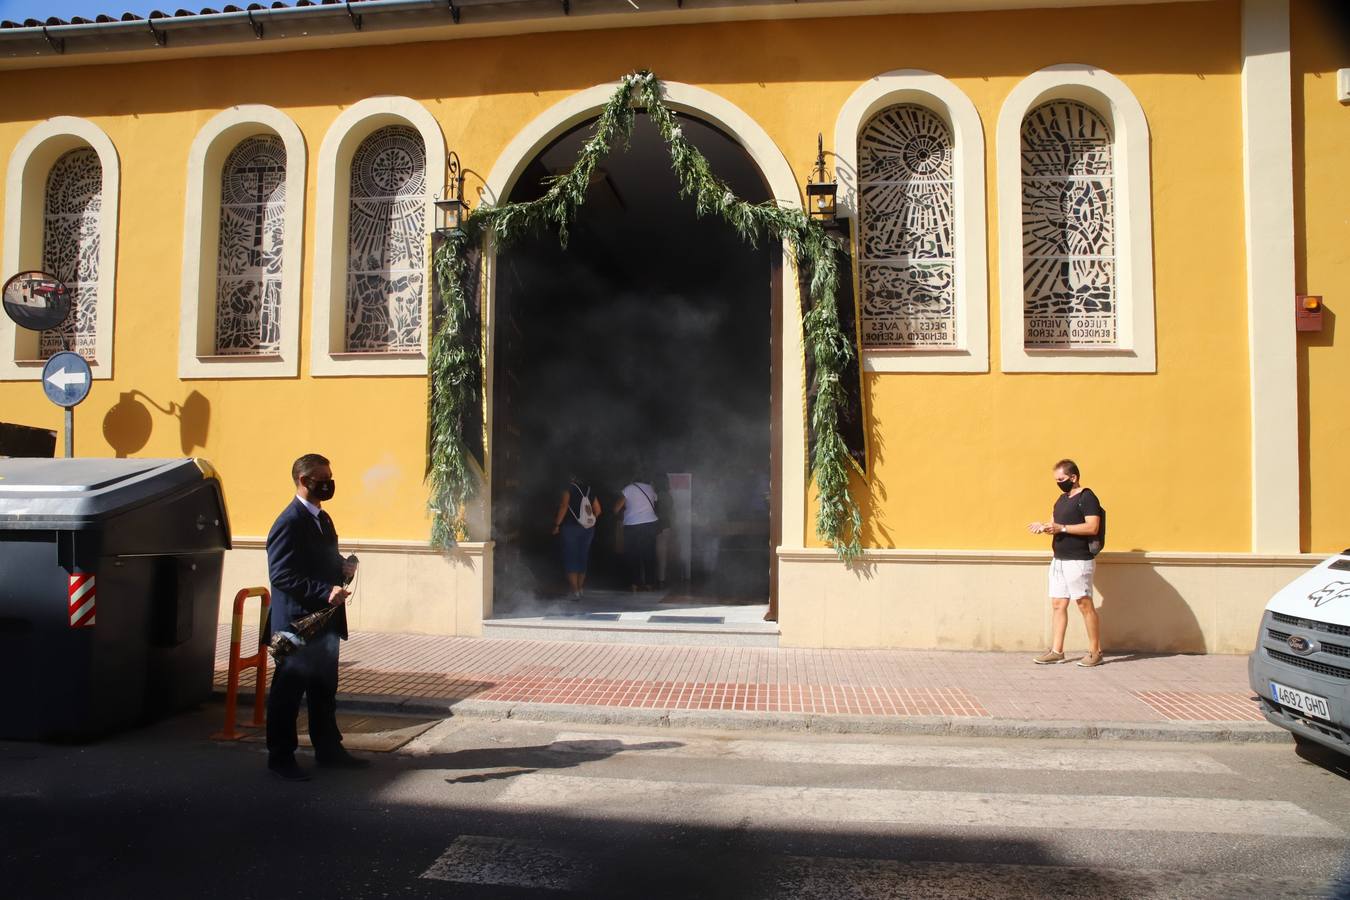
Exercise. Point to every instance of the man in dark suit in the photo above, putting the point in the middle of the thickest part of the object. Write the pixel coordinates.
(307, 575)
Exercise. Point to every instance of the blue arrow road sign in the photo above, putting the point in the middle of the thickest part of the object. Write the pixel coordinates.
(66, 379)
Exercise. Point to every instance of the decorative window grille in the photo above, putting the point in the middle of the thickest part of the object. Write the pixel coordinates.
(252, 226)
(905, 211)
(386, 258)
(1068, 228)
(70, 247)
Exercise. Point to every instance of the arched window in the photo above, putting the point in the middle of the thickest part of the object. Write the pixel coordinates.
(243, 247)
(386, 247)
(1075, 225)
(372, 212)
(62, 184)
(907, 250)
(910, 159)
(71, 213)
(1068, 228)
(249, 259)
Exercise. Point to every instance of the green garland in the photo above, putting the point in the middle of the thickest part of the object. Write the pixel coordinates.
(838, 519)
(454, 367)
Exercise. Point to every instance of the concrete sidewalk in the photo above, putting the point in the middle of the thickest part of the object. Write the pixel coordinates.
(882, 691)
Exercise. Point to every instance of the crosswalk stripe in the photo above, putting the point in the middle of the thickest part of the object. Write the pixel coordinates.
(770, 805)
(533, 864)
(868, 754)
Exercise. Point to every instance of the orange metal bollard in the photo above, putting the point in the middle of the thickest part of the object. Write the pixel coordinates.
(237, 664)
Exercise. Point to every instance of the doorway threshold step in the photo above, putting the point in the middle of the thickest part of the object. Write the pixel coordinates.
(665, 631)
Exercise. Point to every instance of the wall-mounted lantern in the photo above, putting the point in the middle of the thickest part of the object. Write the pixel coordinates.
(451, 210)
(821, 189)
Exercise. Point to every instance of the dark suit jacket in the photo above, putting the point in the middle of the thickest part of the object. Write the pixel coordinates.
(303, 564)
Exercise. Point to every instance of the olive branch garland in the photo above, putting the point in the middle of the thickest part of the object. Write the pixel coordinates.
(453, 366)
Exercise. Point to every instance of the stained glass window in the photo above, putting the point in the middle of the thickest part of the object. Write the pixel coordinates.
(248, 275)
(905, 212)
(1068, 228)
(386, 242)
(70, 247)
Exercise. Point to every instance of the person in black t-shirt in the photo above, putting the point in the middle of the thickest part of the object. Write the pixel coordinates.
(1076, 521)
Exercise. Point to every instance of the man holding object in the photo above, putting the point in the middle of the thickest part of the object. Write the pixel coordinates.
(307, 574)
(1077, 520)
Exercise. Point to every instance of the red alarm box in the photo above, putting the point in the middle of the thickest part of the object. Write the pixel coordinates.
(1308, 312)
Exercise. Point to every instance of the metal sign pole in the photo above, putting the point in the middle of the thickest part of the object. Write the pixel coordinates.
(66, 381)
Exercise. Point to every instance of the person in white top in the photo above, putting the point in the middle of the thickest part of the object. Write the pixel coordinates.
(638, 505)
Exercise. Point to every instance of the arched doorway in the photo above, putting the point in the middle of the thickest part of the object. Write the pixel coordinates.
(647, 347)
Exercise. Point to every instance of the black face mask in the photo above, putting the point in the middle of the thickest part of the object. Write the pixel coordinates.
(322, 491)
(1066, 485)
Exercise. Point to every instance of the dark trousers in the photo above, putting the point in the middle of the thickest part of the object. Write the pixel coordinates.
(639, 547)
(310, 671)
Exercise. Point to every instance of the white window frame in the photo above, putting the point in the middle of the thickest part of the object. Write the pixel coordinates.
(1136, 346)
(197, 356)
(332, 216)
(949, 103)
(25, 202)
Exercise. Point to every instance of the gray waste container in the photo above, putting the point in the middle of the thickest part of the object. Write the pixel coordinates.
(152, 534)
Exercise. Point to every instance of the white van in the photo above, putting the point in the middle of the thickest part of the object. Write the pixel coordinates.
(1301, 664)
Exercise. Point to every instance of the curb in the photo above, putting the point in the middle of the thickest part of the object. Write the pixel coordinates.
(944, 726)
(737, 720)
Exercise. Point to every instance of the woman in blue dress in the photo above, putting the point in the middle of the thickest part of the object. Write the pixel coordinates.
(574, 523)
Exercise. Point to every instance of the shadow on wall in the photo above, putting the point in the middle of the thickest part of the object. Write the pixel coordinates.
(128, 425)
(1140, 610)
(875, 530)
(1306, 341)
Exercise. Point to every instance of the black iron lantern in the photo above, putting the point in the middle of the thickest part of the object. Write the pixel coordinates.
(451, 210)
(821, 190)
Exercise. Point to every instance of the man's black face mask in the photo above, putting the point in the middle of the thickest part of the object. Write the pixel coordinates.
(323, 490)
(1066, 485)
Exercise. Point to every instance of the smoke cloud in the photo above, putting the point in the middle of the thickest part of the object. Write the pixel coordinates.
(642, 348)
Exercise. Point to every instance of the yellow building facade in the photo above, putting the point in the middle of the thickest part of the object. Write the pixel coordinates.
(1212, 430)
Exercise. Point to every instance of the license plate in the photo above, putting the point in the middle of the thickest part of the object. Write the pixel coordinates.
(1308, 704)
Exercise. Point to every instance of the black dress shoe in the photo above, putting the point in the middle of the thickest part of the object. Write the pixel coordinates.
(340, 759)
(287, 769)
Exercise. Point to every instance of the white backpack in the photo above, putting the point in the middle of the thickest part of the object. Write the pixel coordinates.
(586, 516)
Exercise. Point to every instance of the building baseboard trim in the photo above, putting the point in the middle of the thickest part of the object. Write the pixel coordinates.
(381, 545)
(1037, 557)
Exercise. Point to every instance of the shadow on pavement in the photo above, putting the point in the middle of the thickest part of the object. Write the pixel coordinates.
(1109, 658)
(163, 811)
(179, 816)
(1323, 757)
(525, 760)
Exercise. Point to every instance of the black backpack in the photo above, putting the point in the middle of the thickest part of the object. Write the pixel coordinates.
(1097, 541)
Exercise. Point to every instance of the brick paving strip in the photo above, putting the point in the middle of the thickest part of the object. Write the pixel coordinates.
(953, 686)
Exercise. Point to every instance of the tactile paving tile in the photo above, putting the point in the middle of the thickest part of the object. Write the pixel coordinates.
(1196, 706)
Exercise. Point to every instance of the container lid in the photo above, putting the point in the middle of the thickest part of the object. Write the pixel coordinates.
(39, 494)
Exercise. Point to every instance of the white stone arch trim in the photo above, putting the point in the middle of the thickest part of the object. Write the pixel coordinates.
(201, 234)
(950, 103)
(25, 196)
(349, 129)
(686, 98)
(1110, 97)
(773, 165)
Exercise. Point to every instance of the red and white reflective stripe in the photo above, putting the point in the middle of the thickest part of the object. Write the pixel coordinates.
(83, 592)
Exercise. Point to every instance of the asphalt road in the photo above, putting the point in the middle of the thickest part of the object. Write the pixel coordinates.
(479, 809)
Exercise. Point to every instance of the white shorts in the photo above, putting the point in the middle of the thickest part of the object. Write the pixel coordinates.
(1071, 578)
